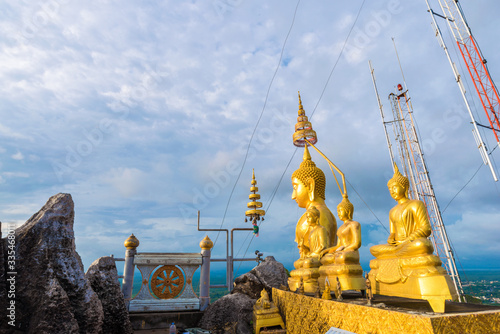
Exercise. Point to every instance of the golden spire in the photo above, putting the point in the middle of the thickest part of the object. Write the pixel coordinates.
(253, 205)
(303, 129)
(301, 108)
(307, 155)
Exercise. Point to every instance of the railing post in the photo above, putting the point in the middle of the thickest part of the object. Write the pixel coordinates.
(128, 271)
(206, 245)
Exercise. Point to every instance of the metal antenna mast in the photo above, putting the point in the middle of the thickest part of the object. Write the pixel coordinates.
(413, 163)
(476, 65)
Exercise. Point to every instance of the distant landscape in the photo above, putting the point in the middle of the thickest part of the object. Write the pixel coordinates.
(481, 286)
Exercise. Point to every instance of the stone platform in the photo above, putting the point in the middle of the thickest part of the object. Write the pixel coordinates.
(158, 322)
(388, 315)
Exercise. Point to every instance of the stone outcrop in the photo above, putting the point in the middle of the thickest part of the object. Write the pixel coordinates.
(269, 274)
(103, 278)
(233, 313)
(52, 293)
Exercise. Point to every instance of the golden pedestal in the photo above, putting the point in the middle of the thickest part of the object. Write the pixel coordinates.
(309, 276)
(350, 274)
(308, 315)
(266, 318)
(420, 277)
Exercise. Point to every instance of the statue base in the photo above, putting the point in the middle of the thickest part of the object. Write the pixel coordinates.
(350, 276)
(388, 315)
(266, 318)
(309, 278)
(420, 277)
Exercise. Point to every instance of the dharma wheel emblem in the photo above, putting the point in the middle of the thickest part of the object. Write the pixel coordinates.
(167, 282)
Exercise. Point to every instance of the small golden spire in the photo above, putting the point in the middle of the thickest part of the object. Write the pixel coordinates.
(307, 155)
(303, 129)
(254, 205)
(301, 108)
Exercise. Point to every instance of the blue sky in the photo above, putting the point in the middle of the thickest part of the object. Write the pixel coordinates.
(143, 111)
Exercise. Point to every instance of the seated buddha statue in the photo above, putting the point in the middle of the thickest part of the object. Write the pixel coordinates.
(309, 190)
(265, 313)
(349, 237)
(342, 261)
(317, 239)
(408, 221)
(406, 266)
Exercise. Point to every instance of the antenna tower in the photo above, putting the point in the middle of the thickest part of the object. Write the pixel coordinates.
(478, 71)
(413, 164)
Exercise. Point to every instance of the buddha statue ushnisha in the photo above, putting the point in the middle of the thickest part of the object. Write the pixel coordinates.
(309, 190)
(406, 266)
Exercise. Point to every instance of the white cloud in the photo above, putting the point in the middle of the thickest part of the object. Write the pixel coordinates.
(18, 156)
(127, 182)
(16, 174)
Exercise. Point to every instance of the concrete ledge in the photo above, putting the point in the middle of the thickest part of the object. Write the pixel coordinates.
(142, 321)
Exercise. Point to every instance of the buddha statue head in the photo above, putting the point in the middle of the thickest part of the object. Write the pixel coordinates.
(345, 209)
(398, 185)
(308, 182)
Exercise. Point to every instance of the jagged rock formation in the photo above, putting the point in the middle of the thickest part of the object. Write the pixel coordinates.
(269, 274)
(233, 313)
(230, 314)
(103, 278)
(52, 294)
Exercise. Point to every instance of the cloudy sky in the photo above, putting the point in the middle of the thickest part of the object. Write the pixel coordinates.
(147, 111)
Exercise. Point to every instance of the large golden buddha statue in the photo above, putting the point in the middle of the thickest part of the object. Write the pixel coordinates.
(342, 261)
(405, 266)
(309, 191)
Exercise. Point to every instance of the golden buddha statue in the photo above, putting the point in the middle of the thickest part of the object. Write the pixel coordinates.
(265, 313)
(409, 223)
(315, 240)
(342, 261)
(316, 228)
(405, 266)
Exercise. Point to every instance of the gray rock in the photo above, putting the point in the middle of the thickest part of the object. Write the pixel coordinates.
(249, 285)
(56, 305)
(269, 274)
(103, 278)
(231, 314)
(49, 268)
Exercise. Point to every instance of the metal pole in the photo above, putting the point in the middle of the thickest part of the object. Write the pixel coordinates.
(232, 255)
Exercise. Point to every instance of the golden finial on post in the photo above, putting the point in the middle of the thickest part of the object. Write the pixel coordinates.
(254, 205)
(303, 129)
(206, 243)
(132, 242)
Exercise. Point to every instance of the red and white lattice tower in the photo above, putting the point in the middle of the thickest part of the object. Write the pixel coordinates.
(478, 71)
